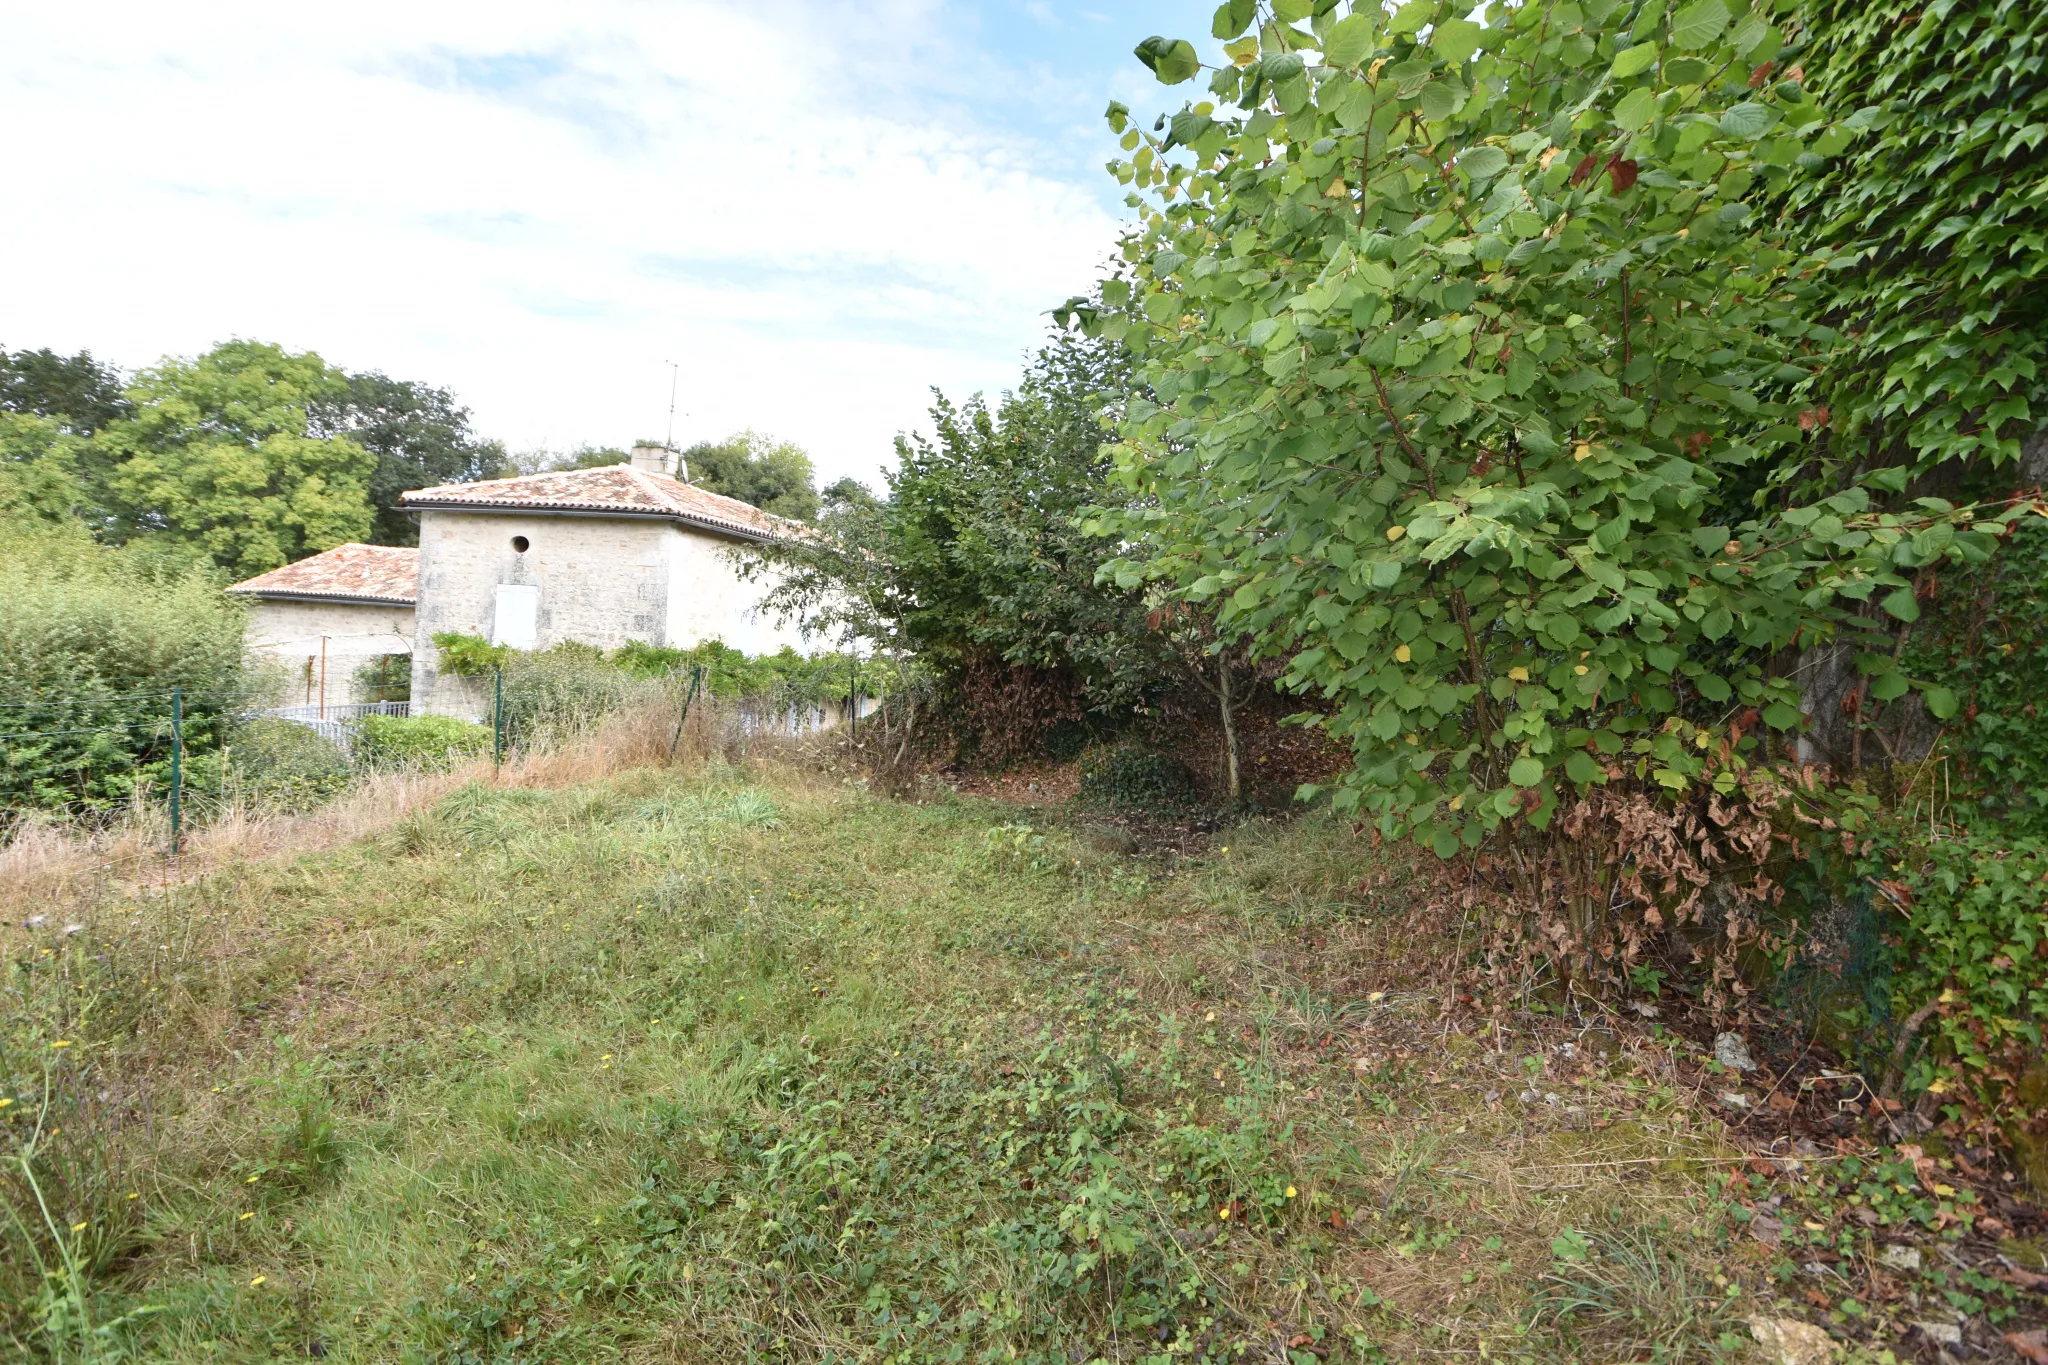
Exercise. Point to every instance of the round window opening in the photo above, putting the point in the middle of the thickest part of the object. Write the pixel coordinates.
(520, 544)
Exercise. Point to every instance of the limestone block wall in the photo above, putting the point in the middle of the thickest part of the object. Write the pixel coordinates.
(290, 633)
(708, 598)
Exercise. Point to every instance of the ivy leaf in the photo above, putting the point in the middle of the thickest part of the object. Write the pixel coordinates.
(1695, 26)
(1634, 61)
(1526, 771)
(1349, 40)
(1172, 60)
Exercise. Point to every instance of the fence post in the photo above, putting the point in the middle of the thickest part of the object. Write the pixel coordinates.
(853, 692)
(497, 716)
(177, 769)
(696, 677)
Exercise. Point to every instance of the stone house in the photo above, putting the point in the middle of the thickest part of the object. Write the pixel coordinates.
(598, 556)
(324, 618)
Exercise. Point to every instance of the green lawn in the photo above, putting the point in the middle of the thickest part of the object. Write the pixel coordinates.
(745, 1066)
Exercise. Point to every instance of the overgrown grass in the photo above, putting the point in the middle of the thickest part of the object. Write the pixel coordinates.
(742, 1066)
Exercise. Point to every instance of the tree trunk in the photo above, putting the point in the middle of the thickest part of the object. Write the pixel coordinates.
(1229, 706)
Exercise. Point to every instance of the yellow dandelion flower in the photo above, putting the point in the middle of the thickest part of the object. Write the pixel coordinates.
(1224, 1213)
(1290, 1191)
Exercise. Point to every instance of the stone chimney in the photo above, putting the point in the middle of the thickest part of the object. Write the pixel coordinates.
(660, 460)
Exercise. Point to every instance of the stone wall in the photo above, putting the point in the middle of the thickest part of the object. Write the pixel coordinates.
(290, 633)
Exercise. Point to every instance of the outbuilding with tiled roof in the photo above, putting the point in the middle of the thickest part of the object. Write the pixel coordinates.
(339, 624)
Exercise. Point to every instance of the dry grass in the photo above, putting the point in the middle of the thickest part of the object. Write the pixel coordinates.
(49, 867)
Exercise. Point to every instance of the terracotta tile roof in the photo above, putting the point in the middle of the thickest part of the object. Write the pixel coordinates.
(618, 489)
(346, 573)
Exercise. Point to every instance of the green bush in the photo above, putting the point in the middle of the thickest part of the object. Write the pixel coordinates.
(468, 656)
(424, 741)
(92, 640)
(1128, 777)
(284, 765)
(388, 677)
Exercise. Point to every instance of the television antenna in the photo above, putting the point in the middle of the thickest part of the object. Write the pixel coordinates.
(675, 374)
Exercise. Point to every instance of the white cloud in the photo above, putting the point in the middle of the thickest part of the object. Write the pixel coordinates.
(539, 205)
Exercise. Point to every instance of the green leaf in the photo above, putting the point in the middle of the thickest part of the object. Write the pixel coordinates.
(1941, 702)
(1350, 39)
(1783, 716)
(1695, 26)
(1162, 308)
(1901, 603)
(1483, 163)
(1580, 767)
(1172, 60)
(1635, 108)
(1634, 61)
(1748, 121)
(1412, 16)
(1234, 18)
(1455, 40)
(1685, 71)
(1890, 687)
(1526, 771)
(1439, 101)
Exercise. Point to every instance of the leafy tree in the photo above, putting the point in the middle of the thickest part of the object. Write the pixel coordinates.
(987, 520)
(221, 454)
(1455, 339)
(80, 392)
(775, 476)
(39, 470)
(420, 436)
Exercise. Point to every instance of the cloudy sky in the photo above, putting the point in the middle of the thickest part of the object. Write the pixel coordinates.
(819, 209)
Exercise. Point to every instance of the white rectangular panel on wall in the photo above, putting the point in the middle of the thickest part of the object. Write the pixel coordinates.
(516, 621)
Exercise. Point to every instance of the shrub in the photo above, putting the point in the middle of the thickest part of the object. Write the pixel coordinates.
(468, 656)
(419, 740)
(92, 640)
(1128, 777)
(285, 765)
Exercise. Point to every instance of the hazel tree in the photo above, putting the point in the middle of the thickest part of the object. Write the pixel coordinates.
(1458, 334)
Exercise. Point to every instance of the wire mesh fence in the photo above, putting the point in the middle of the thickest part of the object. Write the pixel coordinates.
(95, 757)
